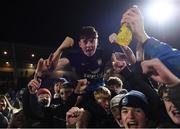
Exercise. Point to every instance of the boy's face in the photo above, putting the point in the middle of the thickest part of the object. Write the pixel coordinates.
(65, 93)
(103, 102)
(88, 46)
(115, 111)
(57, 87)
(116, 88)
(3, 104)
(44, 99)
(133, 117)
(172, 111)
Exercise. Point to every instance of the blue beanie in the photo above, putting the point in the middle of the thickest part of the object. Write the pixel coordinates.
(61, 79)
(135, 99)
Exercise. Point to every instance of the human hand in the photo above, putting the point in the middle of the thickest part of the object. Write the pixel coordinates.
(113, 38)
(127, 50)
(44, 66)
(129, 54)
(135, 22)
(56, 62)
(34, 85)
(159, 72)
(81, 86)
(118, 62)
(74, 115)
(68, 42)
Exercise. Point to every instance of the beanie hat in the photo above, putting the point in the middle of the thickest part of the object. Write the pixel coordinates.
(135, 99)
(114, 81)
(43, 91)
(61, 79)
(116, 99)
(68, 85)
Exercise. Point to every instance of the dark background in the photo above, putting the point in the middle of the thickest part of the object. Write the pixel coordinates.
(48, 22)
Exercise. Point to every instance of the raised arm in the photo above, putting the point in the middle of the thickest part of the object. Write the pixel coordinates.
(68, 42)
(159, 72)
(126, 50)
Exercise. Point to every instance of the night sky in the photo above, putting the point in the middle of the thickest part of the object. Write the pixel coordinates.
(47, 22)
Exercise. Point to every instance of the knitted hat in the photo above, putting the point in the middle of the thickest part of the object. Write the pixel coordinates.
(61, 79)
(135, 99)
(68, 85)
(43, 91)
(116, 99)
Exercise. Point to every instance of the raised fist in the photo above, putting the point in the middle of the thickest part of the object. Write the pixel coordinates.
(74, 115)
(34, 85)
(113, 38)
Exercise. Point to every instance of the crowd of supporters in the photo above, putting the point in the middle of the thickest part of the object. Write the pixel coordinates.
(135, 94)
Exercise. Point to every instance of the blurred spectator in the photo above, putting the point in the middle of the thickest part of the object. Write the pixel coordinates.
(40, 109)
(57, 87)
(171, 109)
(95, 112)
(114, 84)
(3, 121)
(44, 97)
(6, 108)
(18, 120)
(114, 105)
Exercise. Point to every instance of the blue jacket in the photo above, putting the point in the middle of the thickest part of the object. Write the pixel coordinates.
(153, 48)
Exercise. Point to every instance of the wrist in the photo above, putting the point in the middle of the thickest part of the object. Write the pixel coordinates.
(78, 92)
(61, 48)
(32, 90)
(143, 38)
(174, 83)
(38, 74)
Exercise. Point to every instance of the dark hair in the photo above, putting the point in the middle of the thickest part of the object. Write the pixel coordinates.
(88, 32)
(114, 81)
(162, 89)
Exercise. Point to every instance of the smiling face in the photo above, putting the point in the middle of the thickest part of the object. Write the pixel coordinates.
(88, 46)
(133, 117)
(44, 100)
(3, 104)
(172, 111)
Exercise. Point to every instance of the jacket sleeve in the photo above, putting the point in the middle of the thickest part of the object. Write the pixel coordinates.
(153, 48)
(31, 107)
